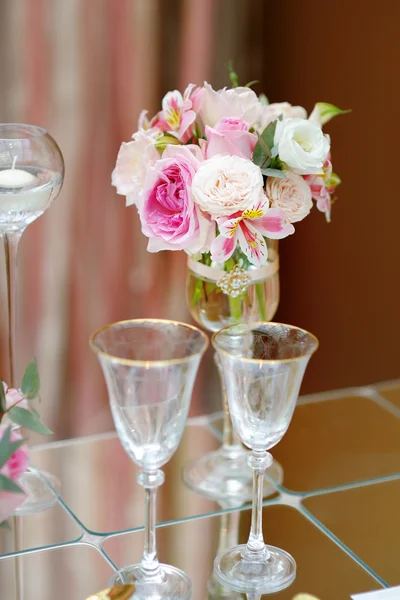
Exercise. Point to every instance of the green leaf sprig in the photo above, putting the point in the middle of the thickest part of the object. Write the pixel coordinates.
(30, 388)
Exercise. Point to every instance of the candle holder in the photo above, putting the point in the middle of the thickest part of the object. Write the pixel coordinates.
(31, 176)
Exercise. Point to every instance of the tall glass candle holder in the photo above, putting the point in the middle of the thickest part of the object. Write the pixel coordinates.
(31, 176)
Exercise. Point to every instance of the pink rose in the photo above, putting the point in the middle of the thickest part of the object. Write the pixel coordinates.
(169, 217)
(230, 136)
(18, 462)
(291, 194)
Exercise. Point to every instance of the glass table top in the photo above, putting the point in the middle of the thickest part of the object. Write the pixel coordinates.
(336, 512)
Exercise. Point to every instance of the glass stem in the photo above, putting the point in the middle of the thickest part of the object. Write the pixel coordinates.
(231, 446)
(11, 241)
(149, 565)
(256, 549)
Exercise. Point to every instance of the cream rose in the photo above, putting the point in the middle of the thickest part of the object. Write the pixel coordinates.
(292, 195)
(301, 145)
(224, 185)
(270, 112)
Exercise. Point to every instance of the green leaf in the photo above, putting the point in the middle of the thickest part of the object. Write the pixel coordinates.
(233, 77)
(7, 447)
(333, 181)
(3, 405)
(273, 173)
(263, 151)
(166, 140)
(328, 111)
(5, 525)
(30, 384)
(276, 163)
(8, 485)
(253, 82)
(25, 418)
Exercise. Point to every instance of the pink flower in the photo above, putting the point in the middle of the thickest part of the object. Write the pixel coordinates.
(14, 468)
(179, 112)
(18, 462)
(13, 397)
(248, 229)
(291, 194)
(169, 217)
(322, 186)
(239, 102)
(230, 136)
(9, 502)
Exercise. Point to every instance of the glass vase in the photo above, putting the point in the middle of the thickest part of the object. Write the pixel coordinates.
(218, 298)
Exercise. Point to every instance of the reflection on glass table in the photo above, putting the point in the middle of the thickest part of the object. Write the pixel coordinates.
(69, 573)
(105, 469)
(324, 569)
(340, 531)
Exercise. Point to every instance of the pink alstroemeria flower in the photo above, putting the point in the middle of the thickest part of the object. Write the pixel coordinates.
(322, 186)
(179, 112)
(248, 229)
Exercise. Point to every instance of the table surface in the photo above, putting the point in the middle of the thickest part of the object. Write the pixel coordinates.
(337, 511)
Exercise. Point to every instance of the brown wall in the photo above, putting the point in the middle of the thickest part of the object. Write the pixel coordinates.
(340, 280)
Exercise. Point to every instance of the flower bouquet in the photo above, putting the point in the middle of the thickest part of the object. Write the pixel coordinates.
(223, 175)
(17, 410)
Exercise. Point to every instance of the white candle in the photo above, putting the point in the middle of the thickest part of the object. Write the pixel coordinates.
(22, 191)
(16, 178)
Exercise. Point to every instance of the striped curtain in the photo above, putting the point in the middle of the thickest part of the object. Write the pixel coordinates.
(83, 70)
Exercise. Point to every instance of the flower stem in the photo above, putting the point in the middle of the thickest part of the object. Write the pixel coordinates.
(235, 308)
(261, 300)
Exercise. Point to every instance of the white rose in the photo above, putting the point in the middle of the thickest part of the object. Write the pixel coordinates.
(301, 145)
(233, 102)
(224, 185)
(270, 112)
(134, 159)
(292, 195)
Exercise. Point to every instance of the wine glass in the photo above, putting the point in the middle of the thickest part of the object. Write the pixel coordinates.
(223, 474)
(150, 366)
(263, 376)
(31, 176)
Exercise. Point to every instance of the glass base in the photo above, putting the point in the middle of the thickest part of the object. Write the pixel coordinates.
(266, 576)
(227, 479)
(39, 495)
(174, 584)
